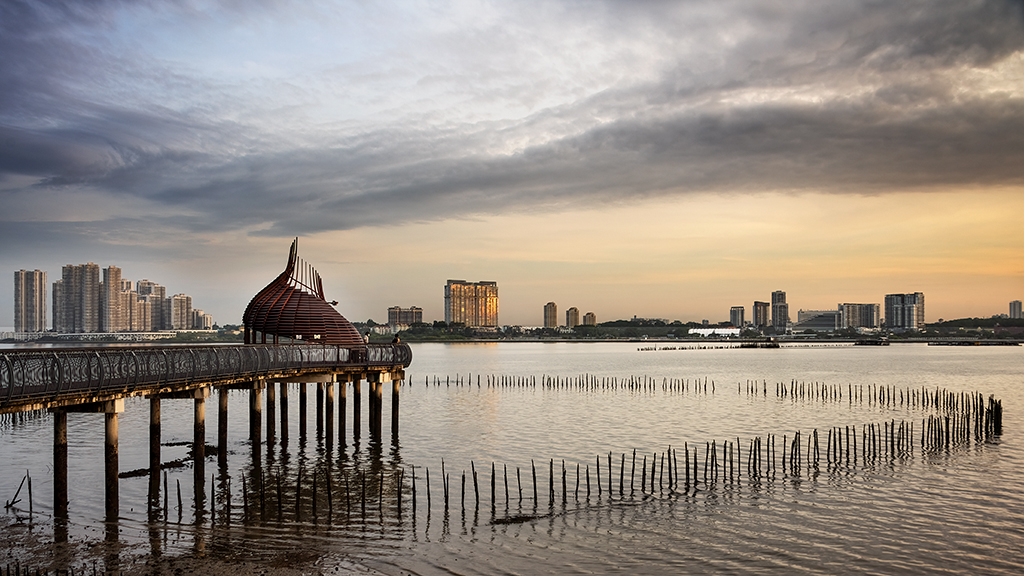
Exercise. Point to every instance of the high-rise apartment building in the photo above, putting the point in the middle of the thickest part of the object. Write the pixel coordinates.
(780, 310)
(551, 315)
(404, 316)
(1015, 311)
(736, 316)
(473, 304)
(155, 295)
(112, 317)
(761, 311)
(859, 316)
(590, 319)
(30, 301)
(201, 320)
(181, 312)
(904, 311)
(76, 299)
(572, 317)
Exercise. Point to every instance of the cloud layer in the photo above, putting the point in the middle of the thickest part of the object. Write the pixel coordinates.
(282, 119)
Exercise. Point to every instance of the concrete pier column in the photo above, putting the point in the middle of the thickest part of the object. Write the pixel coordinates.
(60, 466)
(329, 425)
(302, 411)
(154, 452)
(110, 460)
(357, 406)
(284, 412)
(222, 426)
(271, 413)
(319, 408)
(395, 384)
(256, 413)
(342, 402)
(199, 448)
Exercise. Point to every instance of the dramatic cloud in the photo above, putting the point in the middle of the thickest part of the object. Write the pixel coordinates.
(164, 119)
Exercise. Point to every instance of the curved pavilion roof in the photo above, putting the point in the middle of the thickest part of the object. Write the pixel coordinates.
(293, 306)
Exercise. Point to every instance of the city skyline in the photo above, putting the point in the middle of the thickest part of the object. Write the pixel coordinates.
(633, 159)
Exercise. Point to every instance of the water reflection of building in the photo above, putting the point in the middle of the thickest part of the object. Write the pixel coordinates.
(473, 304)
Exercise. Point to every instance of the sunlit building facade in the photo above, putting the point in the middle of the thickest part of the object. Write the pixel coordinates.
(857, 316)
(736, 316)
(551, 315)
(1015, 311)
(572, 317)
(761, 312)
(473, 304)
(590, 319)
(398, 316)
(904, 311)
(30, 301)
(780, 310)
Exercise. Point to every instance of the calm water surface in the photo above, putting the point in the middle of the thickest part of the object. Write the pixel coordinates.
(959, 511)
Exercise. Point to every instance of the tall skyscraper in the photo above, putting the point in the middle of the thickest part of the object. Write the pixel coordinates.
(30, 301)
(780, 310)
(572, 317)
(551, 315)
(904, 311)
(859, 316)
(399, 316)
(112, 318)
(1015, 311)
(156, 295)
(736, 316)
(76, 299)
(590, 319)
(761, 311)
(181, 312)
(474, 304)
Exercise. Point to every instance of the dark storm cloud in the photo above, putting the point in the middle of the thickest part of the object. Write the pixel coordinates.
(825, 96)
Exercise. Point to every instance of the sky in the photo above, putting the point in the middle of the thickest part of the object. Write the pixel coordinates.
(638, 157)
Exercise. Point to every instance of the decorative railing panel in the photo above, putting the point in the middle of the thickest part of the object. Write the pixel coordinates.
(40, 375)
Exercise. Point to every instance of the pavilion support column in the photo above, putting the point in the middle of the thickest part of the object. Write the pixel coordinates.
(302, 411)
(284, 412)
(342, 392)
(329, 425)
(271, 413)
(60, 466)
(256, 420)
(319, 408)
(395, 385)
(357, 401)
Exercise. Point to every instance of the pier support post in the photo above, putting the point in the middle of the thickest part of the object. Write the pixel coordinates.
(199, 448)
(271, 414)
(342, 402)
(256, 421)
(377, 380)
(284, 412)
(330, 416)
(302, 411)
(222, 426)
(154, 452)
(112, 503)
(395, 384)
(357, 406)
(319, 408)
(60, 467)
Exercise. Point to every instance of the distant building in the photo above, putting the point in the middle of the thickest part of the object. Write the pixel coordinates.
(855, 316)
(112, 317)
(30, 301)
(736, 316)
(572, 317)
(551, 315)
(404, 316)
(76, 299)
(818, 320)
(155, 295)
(904, 311)
(589, 319)
(474, 304)
(761, 311)
(780, 310)
(201, 320)
(181, 312)
(1015, 309)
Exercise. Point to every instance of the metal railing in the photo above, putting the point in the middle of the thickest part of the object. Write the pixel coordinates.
(41, 375)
